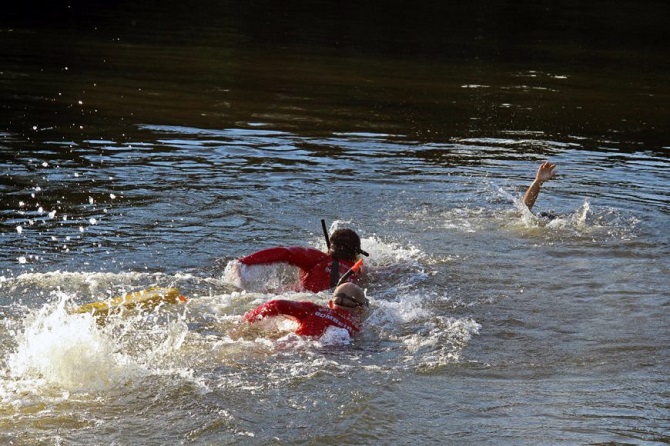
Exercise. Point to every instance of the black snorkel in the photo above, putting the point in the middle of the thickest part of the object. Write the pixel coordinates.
(335, 265)
(325, 233)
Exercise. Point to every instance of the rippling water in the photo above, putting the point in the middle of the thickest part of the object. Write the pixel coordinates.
(132, 157)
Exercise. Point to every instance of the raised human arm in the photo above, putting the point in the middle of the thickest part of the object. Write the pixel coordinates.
(544, 173)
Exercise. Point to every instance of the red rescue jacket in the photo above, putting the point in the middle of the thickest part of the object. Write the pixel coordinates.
(313, 319)
(314, 265)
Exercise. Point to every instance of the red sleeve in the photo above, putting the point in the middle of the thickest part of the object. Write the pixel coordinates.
(278, 307)
(303, 258)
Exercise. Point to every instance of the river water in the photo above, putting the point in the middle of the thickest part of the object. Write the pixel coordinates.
(151, 145)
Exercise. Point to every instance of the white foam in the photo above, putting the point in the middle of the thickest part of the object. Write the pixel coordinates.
(68, 351)
(75, 353)
(335, 336)
(276, 277)
(440, 342)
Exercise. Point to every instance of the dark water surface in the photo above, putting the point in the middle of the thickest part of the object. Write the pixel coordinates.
(146, 143)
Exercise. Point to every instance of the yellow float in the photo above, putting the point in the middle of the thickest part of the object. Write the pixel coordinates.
(144, 299)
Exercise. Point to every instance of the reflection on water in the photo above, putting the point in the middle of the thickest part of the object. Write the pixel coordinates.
(181, 183)
(432, 72)
(151, 147)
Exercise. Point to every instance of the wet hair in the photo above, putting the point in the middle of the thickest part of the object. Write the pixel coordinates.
(345, 244)
(547, 216)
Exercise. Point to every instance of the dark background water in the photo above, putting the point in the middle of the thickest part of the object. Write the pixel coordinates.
(396, 67)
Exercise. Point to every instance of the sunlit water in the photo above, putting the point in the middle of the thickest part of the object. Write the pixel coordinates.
(484, 318)
(488, 325)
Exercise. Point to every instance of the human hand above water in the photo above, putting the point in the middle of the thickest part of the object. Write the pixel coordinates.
(545, 172)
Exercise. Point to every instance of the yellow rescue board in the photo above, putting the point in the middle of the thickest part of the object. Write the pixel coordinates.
(146, 299)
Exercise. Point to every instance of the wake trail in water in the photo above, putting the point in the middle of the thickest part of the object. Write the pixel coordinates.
(48, 347)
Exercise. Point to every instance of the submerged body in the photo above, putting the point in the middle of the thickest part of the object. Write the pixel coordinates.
(312, 319)
(345, 310)
(318, 270)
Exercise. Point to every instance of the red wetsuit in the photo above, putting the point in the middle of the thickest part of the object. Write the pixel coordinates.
(314, 265)
(313, 319)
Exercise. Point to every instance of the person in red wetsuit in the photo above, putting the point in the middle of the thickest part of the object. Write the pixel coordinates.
(346, 309)
(318, 270)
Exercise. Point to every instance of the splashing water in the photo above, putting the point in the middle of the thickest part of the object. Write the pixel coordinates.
(440, 342)
(76, 352)
(576, 219)
(261, 278)
(582, 220)
(69, 351)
